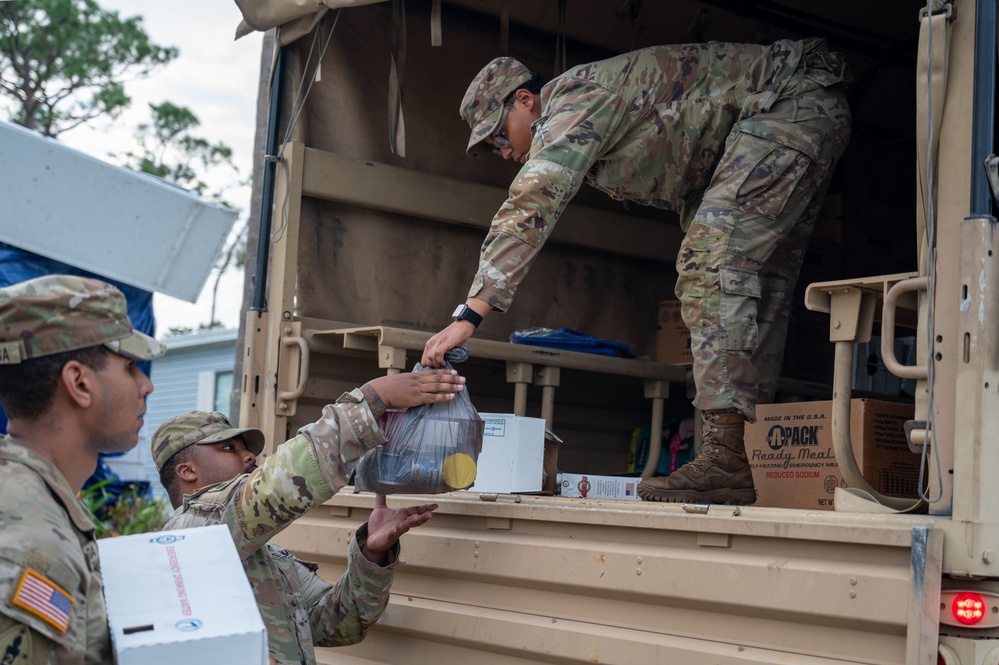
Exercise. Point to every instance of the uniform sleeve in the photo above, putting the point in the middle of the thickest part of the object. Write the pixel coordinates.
(342, 613)
(583, 122)
(301, 474)
(46, 614)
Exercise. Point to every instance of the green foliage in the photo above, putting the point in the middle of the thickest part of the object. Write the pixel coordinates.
(64, 62)
(125, 514)
(168, 148)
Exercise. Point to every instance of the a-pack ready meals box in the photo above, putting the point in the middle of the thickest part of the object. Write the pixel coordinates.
(513, 453)
(790, 450)
(672, 336)
(179, 598)
(590, 486)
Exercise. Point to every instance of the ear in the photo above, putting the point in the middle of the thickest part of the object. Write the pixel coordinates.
(525, 97)
(187, 472)
(79, 383)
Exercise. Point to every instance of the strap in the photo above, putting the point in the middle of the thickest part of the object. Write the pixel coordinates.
(397, 73)
(931, 88)
(435, 24)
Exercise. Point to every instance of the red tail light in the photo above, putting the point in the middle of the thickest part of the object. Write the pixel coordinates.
(970, 609)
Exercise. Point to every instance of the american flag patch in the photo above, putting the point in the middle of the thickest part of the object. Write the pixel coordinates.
(44, 599)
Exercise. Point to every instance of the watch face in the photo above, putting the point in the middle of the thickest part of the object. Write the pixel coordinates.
(458, 311)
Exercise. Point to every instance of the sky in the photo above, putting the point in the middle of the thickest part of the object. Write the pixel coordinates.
(216, 78)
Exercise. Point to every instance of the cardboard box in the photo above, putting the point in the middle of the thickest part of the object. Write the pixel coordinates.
(180, 597)
(790, 450)
(589, 486)
(512, 457)
(673, 337)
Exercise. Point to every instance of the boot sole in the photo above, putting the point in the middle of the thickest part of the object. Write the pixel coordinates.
(727, 497)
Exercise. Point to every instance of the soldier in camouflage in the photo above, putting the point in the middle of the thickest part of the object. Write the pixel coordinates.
(739, 139)
(209, 469)
(71, 389)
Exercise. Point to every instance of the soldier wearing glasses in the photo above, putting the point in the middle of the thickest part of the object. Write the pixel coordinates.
(739, 139)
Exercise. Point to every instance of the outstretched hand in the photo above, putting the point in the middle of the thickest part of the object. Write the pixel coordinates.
(400, 391)
(454, 335)
(386, 525)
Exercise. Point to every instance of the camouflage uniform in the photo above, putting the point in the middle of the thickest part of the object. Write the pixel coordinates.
(739, 139)
(298, 607)
(44, 528)
(51, 592)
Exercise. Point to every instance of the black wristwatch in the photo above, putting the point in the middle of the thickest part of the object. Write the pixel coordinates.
(466, 313)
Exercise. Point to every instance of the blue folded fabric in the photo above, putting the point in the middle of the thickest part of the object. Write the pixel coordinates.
(570, 340)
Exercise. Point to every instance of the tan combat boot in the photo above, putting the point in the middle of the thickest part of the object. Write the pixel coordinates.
(719, 474)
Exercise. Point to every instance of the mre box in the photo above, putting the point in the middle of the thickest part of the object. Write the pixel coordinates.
(589, 486)
(512, 457)
(672, 336)
(180, 597)
(790, 450)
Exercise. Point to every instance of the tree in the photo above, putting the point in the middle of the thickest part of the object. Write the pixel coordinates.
(168, 148)
(65, 62)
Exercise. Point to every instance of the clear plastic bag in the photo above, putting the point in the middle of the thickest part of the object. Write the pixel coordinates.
(428, 449)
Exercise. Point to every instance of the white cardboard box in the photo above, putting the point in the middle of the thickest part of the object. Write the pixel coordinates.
(512, 457)
(180, 598)
(589, 486)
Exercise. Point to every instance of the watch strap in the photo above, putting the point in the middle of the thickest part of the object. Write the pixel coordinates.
(466, 313)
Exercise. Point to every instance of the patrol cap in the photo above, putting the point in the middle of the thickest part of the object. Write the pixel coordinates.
(482, 106)
(200, 427)
(59, 313)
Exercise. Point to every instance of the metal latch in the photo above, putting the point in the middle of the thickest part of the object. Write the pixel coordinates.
(916, 435)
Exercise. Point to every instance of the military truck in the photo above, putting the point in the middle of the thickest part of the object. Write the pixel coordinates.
(372, 218)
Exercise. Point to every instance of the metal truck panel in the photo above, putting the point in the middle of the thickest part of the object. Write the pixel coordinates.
(555, 580)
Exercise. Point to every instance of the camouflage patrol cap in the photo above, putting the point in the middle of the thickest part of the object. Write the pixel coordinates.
(200, 427)
(482, 106)
(59, 313)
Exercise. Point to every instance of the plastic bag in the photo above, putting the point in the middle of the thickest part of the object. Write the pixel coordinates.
(428, 449)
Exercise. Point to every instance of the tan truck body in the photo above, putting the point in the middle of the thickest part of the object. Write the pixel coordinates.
(370, 251)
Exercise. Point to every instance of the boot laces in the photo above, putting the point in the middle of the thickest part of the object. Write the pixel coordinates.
(710, 452)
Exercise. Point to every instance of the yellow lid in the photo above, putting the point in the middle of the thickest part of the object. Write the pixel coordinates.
(459, 471)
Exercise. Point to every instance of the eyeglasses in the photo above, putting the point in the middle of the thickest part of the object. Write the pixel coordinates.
(498, 140)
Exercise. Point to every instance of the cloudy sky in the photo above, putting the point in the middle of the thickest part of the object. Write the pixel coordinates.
(214, 76)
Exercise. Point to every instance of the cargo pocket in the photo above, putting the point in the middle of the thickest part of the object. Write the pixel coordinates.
(771, 179)
(740, 292)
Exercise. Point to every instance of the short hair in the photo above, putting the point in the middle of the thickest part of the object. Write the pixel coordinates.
(27, 389)
(168, 474)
